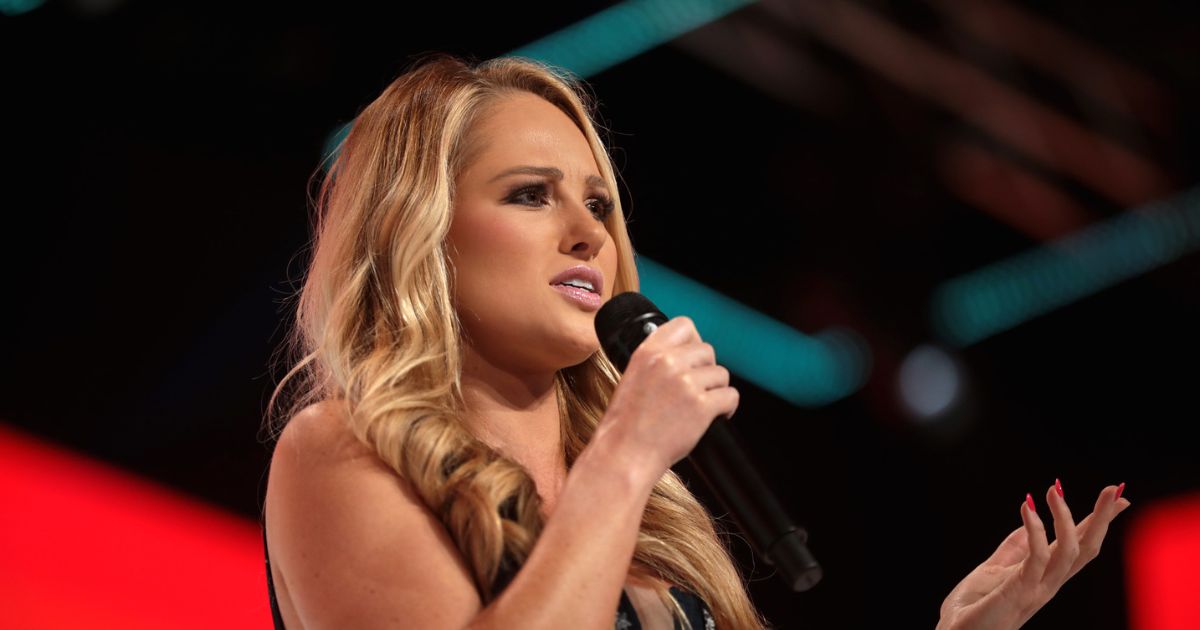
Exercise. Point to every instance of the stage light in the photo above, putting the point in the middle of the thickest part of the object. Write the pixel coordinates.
(1162, 556)
(1005, 294)
(623, 31)
(17, 7)
(599, 41)
(333, 144)
(85, 545)
(930, 382)
(805, 370)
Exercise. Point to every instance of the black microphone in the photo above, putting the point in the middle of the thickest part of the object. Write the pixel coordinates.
(622, 324)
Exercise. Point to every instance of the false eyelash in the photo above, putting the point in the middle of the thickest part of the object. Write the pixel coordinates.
(537, 189)
(607, 205)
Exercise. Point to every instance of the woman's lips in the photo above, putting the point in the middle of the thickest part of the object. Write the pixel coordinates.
(588, 300)
(581, 272)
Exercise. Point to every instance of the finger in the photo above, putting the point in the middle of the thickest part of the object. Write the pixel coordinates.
(696, 354)
(724, 401)
(1084, 527)
(677, 331)
(1039, 551)
(710, 377)
(1094, 528)
(1012, 550)
(1066, 541)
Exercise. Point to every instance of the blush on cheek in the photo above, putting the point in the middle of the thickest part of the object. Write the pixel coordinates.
(494, 256)
(501, 234)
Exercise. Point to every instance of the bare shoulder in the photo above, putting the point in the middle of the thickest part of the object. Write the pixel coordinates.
(351, 541)
(319, 434)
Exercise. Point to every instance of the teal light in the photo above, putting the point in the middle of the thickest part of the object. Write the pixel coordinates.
(1000, 296)
(607, 38)
(599, 41)
(805, 370)
(17, 7)
(333, 144)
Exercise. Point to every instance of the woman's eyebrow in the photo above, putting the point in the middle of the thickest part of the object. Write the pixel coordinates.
(545, 171)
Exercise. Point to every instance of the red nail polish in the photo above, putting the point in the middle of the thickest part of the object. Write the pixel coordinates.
(1058, 486)
(1120, 489)
(1029, 502)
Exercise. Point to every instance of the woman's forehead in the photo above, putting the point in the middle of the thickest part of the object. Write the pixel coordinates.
(526, 129)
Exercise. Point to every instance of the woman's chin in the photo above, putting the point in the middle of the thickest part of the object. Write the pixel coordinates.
(577, 353)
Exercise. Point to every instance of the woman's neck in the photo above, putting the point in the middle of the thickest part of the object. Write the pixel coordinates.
(517, 414)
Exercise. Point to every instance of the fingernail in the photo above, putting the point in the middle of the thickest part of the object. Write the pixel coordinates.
(1120, 489)
(1058, 486)
(1029, 502)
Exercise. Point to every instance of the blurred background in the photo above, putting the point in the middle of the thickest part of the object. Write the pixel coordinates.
(946, 247)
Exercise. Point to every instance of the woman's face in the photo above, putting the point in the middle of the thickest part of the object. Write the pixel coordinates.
(527, 224)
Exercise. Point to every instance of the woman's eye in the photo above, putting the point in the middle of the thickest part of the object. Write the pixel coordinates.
(529, 196)
(601, 207)
(537, 195)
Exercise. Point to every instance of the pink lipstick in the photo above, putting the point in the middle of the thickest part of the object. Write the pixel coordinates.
(580, 284)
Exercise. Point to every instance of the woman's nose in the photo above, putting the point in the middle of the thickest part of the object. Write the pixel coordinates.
(584, 234)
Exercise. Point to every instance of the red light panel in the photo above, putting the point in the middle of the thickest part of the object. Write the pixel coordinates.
(85, 545)
(1162, 560)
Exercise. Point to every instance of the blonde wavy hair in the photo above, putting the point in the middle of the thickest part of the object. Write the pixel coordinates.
(376, 329)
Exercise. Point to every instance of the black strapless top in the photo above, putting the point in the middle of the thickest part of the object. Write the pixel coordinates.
(693, 607)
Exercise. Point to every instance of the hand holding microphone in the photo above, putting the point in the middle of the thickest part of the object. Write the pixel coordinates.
(676, 381)
(673, 383)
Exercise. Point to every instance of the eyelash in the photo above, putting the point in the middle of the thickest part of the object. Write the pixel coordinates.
(606, 204)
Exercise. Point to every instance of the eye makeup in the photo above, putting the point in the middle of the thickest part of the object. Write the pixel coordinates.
(537, 194)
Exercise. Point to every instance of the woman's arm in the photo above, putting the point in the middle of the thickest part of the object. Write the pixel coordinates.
(357, 548)
(671, 391)
(352, 542)
(574, 576)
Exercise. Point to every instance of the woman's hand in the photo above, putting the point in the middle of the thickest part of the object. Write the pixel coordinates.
(1025, 572)
(671, 391)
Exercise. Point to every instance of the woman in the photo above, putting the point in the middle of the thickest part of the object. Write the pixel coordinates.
(458, 452)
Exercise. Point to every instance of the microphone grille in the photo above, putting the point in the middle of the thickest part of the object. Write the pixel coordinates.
(619, 310)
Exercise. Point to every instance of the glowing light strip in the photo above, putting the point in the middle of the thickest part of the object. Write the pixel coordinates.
(17, 7)
(991, 105)
(1000, 296)
(616, 34)
(603, 40)
(1069, 58)
(805, 370)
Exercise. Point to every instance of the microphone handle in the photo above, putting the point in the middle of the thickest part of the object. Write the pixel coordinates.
(723, 464)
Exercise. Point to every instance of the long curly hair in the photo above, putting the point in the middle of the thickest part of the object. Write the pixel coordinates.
(376, 330)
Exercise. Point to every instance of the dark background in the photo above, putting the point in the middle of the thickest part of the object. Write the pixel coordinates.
(158, 158)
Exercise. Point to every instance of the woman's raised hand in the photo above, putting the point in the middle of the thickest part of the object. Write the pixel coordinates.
(1026, 571)
(671, 391)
